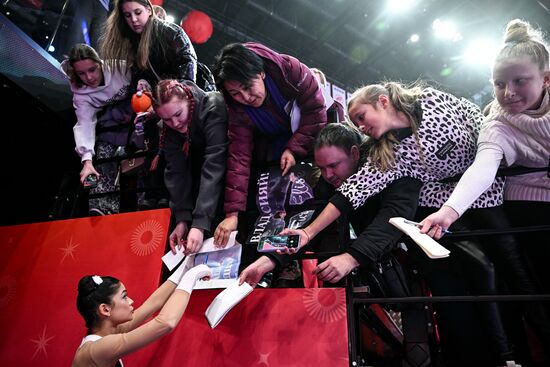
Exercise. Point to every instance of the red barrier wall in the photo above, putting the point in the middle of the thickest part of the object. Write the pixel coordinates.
(40, 265)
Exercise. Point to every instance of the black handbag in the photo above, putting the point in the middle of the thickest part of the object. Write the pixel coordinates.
(388, 279)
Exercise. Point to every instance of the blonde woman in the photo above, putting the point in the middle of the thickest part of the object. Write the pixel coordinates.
(413, 132)
(429, 135)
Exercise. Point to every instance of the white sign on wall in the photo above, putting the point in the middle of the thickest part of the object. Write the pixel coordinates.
(339, 95)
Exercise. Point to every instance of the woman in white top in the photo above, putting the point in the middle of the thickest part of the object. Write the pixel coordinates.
(101, 100)
(516, 133)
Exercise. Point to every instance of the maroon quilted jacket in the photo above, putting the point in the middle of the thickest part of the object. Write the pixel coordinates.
(295, 82)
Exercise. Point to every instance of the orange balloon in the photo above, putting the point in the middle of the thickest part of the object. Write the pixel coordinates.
(141, 102)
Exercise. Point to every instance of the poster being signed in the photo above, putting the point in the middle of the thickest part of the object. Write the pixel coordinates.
(281, 200)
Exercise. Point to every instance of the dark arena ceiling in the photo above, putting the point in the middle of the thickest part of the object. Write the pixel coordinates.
(362, 41)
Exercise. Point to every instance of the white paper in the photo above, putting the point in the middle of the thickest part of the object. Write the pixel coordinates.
(339, 95)
(225, 301)
(171, 260)
(224, 264)
(213, 283)
(433, 249)
(326, 94)
(208, 244)
(223, 261)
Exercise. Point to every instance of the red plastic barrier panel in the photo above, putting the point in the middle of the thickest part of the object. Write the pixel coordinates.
(41, 264)
(270, 327)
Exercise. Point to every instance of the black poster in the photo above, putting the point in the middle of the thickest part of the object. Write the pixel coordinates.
(282, 200)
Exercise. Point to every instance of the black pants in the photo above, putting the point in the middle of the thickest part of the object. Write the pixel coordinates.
(536, 245)
(154, 179)
(508, 254)
(470, 333)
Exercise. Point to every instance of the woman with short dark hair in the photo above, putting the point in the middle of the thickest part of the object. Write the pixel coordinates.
(275, 109)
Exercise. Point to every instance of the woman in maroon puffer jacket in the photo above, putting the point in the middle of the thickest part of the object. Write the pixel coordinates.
(270, 97)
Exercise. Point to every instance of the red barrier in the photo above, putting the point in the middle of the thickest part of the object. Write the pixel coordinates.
(270, 327)
(40, 265)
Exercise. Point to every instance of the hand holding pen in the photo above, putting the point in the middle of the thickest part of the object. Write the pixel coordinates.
(435, 225)
(420, 225)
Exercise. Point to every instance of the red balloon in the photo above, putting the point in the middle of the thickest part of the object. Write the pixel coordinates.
(198, 26)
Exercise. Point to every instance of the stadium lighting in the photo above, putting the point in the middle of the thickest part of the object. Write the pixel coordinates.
(481, 52)
(445, 30)
(414, 38)
(395, 6)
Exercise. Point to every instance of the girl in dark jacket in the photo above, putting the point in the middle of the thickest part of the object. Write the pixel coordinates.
(154, 50)
(194, 140)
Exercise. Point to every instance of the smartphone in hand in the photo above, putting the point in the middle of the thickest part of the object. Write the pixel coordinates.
(90, 181)
(274, 243)
(141, 118)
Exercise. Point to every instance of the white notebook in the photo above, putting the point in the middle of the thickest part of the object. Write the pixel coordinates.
(433, 249)
(213, 283)
(225, 301)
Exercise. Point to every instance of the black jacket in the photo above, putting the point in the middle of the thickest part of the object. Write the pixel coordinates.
(376, 236)
(195, 182)
(172, 55)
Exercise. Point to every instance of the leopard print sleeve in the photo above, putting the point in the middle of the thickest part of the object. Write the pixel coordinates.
(366, 182)
(472, 116)
(445, 147)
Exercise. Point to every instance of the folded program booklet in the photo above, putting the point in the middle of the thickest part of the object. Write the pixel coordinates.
(433, 249)
(225, 301)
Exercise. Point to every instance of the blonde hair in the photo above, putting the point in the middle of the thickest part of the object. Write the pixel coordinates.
(320, 76)
(80, 52)
(118, 40)
(521, 39)
(405, 100)
(159, 12)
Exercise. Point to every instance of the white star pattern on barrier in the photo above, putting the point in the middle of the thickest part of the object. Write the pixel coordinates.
(69, 249)
(41, 343)
(263, 358)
